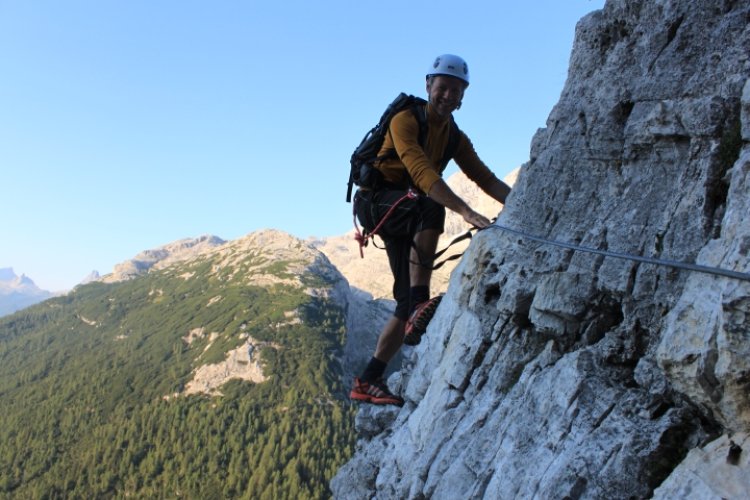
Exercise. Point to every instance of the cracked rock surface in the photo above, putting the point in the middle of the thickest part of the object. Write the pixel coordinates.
(553, 373)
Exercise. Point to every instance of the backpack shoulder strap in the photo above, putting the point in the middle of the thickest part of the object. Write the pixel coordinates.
(454, 136)
(419, 109)
(420, 113)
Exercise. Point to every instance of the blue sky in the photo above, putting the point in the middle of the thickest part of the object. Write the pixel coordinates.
(125, 125)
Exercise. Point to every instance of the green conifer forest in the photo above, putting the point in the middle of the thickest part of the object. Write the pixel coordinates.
(91, 383)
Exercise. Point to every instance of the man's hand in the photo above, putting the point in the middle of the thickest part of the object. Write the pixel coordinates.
(441, 193)
(476, 219)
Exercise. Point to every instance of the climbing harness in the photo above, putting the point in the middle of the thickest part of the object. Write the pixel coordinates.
(364, 236)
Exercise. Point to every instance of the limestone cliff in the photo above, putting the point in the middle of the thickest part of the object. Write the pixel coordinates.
(554, 373)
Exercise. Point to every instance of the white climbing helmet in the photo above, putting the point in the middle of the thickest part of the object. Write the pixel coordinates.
(450, 65)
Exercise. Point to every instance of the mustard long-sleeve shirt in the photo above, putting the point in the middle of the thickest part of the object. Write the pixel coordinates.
(422, 165)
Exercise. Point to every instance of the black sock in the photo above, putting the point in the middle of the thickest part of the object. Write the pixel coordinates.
(417, 295)
(374, 370)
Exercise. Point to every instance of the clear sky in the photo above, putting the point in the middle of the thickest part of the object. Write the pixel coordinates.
(126, 125)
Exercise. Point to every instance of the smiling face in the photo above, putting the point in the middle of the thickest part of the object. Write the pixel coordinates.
(445, 93)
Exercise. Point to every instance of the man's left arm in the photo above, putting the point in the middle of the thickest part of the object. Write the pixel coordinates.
(468, 161)
(497, 189)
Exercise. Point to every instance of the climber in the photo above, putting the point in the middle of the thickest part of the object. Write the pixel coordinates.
(411, 230)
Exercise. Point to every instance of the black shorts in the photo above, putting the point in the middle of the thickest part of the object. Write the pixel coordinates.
(410, 216)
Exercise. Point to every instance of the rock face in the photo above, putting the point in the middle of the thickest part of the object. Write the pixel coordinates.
(553, 373)
(240, 363)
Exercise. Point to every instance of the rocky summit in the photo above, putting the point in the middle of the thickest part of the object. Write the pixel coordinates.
(161, 257)
(555, 372)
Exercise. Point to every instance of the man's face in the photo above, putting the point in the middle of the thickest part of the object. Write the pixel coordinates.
(445, 93)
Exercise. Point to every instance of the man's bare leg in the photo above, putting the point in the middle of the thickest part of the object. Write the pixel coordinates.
(426, 242)
(390, 340)
(392, 336)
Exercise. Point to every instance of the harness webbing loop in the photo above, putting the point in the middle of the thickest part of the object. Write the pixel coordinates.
(431, 265)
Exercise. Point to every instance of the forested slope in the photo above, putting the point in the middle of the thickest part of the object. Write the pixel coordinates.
(91, 384)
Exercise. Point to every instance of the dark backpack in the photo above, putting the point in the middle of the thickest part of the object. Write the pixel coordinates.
(363, 172)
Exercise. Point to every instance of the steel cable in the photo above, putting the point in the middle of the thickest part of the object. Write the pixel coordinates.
(647, 260)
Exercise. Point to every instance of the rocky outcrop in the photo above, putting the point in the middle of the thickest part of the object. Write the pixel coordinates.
(554, 373)
(241, 363)
(717, 470)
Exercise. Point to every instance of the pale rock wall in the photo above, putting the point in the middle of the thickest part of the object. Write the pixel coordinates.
(242, 363)
(716, 471)
(552, 373)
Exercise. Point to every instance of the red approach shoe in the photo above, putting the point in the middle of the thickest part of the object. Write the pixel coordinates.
(419, 319)
(374, 392)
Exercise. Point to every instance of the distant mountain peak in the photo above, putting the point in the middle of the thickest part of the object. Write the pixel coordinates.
(163, 256)
(9, 280)
(92, 276)
(24, 280)
(18, 292)
(7, 274)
